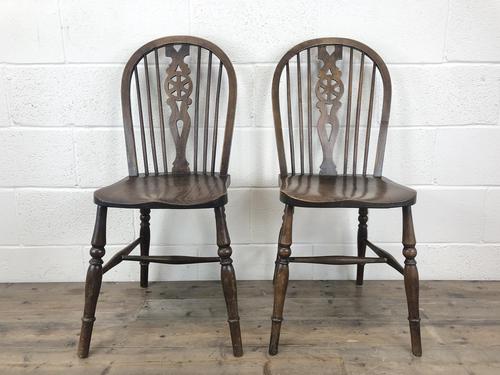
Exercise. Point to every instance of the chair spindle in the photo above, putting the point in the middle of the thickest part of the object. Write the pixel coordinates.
(196, 112)
(216, 118)
(141, 122)
(207, 112)
(309, 111)
(369, 119)
(301, 114)
(160, 113)
(358, 113)
(150, 115)
(348, 116)
(290, 123)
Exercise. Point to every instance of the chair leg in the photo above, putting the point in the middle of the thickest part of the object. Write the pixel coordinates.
(228, 280)
(276, 262)
(411, 280)
(362, 237)
(145, 240)
(93, 282)
(281, 280)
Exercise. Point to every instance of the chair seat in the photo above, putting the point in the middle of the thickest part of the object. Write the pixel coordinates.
(344, 191)
(165, 191)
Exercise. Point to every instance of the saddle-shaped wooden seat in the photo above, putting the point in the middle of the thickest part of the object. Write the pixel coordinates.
(166, 191)
(344, 191)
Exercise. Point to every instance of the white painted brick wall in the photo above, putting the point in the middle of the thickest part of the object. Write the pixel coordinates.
(61, 136)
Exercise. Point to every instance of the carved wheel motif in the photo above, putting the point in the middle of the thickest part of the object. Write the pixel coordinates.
(329, 90)
(179, 86)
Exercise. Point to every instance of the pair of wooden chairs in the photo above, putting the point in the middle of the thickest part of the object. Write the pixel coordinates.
(175, 85)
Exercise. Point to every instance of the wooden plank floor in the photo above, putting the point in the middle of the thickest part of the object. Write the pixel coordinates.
(331, 327)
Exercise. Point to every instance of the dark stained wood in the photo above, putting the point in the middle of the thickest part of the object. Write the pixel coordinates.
(181, 188)
(118, 257)
(301, 114)
(391, 261)
(196, 111)
(411, 281)
(329, 90)
(228, 280)
(344, 191)
(181, 79)
(171, 259)
(337, 259)
(309, 112)
(145, 236)
(369, 120)
(216, 119)
(290, 124)
(207, 112)
(141, 122)
(160, 113)
(93, 281)
(166, 191)
(179, 86)
(326, 188)
(150, 115)
(348, 115)
(361, 241)
(358, 114)
(281, 280)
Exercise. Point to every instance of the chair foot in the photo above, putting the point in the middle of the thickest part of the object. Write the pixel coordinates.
(362, 237)
(416, 341)
(93, 282)
(411, 281)
(145, 236)
(228, 280)
(281, 279)
(275, 334)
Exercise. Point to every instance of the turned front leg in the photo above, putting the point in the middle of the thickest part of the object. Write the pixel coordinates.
(362, 237)
(228, 280)
(411, 280)
(145, 236)
(281, 278)
(93, 281)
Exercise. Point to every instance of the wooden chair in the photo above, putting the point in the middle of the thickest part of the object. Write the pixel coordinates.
(345, 112)
(157, 80)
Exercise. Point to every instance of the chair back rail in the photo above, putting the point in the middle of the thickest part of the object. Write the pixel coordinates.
(331, 108)
(171, 127)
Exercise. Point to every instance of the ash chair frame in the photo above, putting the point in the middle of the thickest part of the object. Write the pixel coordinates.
(302, 186)
(181, 187)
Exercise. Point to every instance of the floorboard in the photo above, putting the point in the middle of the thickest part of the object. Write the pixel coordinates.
(331, 327)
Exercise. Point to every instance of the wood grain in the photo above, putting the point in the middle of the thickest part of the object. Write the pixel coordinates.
(335, 329)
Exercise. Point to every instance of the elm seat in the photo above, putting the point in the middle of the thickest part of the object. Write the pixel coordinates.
(166, 191)
(344, 191)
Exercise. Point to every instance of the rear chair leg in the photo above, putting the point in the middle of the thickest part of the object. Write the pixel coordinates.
(411, 281)
(145, 240)
(228, 280)
(93, 282)
(362, 237)
(281, 278)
